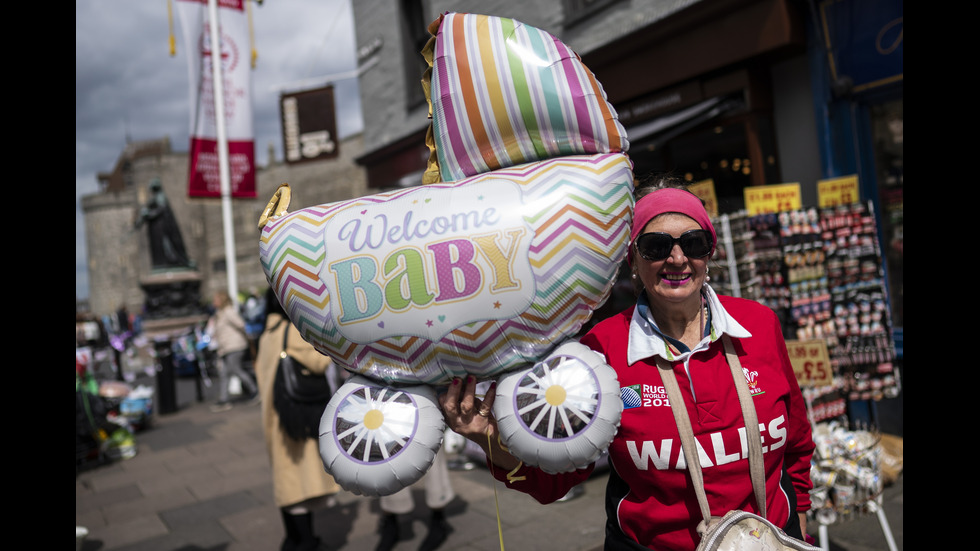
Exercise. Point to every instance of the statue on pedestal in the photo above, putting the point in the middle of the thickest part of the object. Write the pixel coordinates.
(166, 244)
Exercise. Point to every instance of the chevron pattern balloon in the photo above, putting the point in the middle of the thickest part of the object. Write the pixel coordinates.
(478, 276)
(490, 268)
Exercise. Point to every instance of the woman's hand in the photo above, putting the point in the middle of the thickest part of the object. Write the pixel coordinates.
(472, 418)
(468, 415)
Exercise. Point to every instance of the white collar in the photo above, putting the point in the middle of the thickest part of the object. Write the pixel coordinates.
(645, 339)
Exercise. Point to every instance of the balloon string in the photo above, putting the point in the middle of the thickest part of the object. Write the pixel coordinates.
(500, 530)
(510, 476)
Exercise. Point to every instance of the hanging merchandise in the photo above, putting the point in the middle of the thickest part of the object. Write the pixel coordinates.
(774, 292)
(826, 403)
(736, 254)
(804, 259)
(820, 270)
(185, 354)
(865, 352)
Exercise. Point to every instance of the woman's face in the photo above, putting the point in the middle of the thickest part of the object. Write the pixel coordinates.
(676, 279)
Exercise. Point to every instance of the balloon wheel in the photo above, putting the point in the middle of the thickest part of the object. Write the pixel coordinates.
(376, 440)
(563, 412)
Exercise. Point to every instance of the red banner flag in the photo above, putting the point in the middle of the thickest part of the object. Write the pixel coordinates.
(204, 171)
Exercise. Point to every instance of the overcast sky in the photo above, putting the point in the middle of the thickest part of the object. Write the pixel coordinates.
(128, 86)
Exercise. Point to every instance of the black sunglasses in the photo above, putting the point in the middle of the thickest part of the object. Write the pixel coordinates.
(657, 245)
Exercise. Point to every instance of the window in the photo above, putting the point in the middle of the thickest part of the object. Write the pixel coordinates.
(415, 35)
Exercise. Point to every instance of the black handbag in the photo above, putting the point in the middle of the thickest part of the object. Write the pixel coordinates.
(299, 396)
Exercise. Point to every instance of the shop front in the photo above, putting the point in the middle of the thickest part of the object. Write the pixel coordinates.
(703, 97)
(857, 59)
(822, 248)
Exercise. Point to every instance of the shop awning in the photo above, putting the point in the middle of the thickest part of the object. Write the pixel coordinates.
(656, 132)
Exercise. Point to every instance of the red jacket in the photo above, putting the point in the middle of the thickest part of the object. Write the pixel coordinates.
(648, 497)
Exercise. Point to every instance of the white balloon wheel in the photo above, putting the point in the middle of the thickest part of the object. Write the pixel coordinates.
(376, 439)
(562, 413)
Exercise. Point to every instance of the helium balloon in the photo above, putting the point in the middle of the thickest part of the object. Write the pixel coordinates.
(488, 269)
(376, 440)
(562, 413)
(479, 276)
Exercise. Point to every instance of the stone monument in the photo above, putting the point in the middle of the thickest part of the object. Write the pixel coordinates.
(166, 243)
(172, 289)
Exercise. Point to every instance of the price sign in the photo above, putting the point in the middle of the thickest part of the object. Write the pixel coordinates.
(838, 191)
(705, 190)
(811, 362)
(771, 199)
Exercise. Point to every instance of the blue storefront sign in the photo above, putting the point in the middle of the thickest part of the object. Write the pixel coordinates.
(864, 41)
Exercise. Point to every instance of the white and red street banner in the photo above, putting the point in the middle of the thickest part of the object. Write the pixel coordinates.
(204, 175)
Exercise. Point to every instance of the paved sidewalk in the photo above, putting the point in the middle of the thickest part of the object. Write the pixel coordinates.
(201, 481)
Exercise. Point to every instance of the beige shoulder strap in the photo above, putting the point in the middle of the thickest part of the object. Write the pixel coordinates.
(687, 432)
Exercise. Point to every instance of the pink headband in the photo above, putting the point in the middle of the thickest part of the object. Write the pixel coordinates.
(669, 200)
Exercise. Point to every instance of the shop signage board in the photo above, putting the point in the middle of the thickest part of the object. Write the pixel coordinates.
(865, 41)
(705, 190)
(309, 125)
(773, 198)
(838, 191)
(811, 362)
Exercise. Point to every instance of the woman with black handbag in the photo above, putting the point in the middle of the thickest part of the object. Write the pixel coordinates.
(300, 483)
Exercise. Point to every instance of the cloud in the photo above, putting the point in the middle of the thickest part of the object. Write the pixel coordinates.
(128, 87)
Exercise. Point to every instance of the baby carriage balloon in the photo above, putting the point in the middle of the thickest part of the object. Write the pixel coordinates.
(490, 268)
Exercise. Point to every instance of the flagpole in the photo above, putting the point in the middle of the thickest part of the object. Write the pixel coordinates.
(219, 115)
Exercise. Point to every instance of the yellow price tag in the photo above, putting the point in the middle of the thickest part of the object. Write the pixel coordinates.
(773, 198)
(811, 362)
(705, 190)
(838, 191)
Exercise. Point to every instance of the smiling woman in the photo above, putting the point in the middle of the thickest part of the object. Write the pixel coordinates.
(678, 324)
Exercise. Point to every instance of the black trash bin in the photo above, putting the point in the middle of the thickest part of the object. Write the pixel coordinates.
(166, 391)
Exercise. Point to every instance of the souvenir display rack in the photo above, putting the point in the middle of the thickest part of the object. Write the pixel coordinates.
(864, 351)
(821, 271)
(736, 254)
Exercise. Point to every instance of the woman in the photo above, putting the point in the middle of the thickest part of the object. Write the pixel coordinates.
(228, 329)
(678, 317)
(299, 481)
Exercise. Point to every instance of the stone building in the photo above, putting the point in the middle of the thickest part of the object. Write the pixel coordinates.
(118, 257)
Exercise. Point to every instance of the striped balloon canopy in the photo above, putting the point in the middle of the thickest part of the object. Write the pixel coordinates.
(503, 93)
